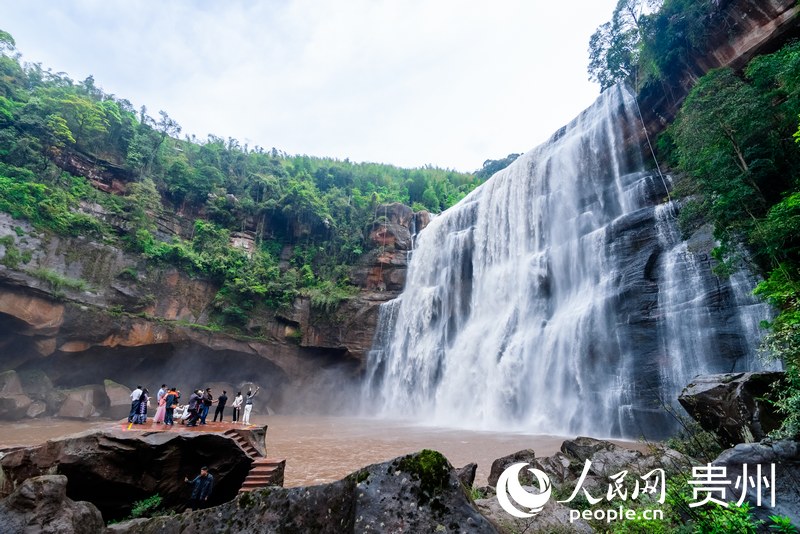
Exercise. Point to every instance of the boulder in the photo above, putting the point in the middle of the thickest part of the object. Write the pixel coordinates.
(13, 407)
(39, 388)
(84, 402)
(36, 383)
(40, 504)
(500, 465)
(415, 493)
(735, 406)
(553, 518)
(563, 470)
(466, 474)
(785, 455)
(114, 468)
(36, 409)
(119, 400)
(14, 403)
(10, 383)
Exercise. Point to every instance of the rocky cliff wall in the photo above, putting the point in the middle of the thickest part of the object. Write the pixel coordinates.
(76, 312)
(746, 28)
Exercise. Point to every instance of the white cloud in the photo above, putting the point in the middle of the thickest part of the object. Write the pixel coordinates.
(444, 82)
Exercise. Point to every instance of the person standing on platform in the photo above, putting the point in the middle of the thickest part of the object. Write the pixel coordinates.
(207, 401)
(237, 406)
(170, 403)
(195, 402)
(222, 400)
(135, 395)
(248, 406)
(161, 403)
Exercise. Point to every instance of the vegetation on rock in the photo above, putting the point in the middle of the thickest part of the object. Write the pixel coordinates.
(735, 148)
(57, 135)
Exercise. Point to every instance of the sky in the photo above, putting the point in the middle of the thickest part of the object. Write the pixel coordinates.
(408, 82)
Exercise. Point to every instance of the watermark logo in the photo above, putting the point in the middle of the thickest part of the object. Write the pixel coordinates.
(508, 485)
(709, 483)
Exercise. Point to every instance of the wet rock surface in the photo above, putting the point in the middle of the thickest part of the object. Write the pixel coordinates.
(785, 456)
(114, 468)
(735, 406)
(564, 470)
(416, 493)
(40, 504)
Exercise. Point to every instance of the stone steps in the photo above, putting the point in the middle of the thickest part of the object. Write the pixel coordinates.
(263, 471)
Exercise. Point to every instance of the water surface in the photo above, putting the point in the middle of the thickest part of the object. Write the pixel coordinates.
(320, 449)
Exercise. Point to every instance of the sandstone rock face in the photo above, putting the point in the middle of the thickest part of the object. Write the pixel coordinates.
(84, 402)
(785, 455)
(14, 404)
(415, 493)
(119, 400)
(73, 337)
(735, 406)
(40, 504)
(114, 468)
(749, 28)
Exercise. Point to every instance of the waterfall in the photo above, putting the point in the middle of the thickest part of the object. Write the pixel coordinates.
(559, 297)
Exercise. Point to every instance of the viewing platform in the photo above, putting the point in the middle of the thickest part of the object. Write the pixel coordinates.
(251, 439)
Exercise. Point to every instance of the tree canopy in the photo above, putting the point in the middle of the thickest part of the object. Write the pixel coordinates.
(320, 207)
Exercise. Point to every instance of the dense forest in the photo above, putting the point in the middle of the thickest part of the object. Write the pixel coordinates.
(319, 206)
(733, 150)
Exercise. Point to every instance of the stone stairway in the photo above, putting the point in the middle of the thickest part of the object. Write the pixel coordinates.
(263, 471)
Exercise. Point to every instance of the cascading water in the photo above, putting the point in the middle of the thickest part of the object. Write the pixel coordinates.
(558, 297)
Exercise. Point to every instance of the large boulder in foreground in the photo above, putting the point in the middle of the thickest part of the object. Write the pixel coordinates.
(785, 455)
(563, 470)
(41, 505)
(115, 467)
(735, 406)
(415, 493)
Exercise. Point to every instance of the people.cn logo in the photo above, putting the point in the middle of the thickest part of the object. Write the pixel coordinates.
(508, 485)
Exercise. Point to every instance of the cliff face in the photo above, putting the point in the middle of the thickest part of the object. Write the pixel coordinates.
(746, 28)
(75, 312)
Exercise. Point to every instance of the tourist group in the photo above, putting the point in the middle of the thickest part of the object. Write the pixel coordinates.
(194, 412)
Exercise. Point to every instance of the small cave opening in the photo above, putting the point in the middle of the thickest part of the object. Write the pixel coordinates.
(113, 471)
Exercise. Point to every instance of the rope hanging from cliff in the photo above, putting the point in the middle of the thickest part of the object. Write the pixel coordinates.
(653, 153)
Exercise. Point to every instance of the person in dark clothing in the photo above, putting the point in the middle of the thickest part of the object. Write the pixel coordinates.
(222, 400)
(205, 405)
(195, 403)
(171, 403)
(201, 488)
(140, 417)
(135, 395)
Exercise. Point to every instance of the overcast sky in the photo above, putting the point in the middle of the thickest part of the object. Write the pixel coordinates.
(409, 82)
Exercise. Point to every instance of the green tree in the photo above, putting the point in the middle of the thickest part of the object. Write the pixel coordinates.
(615, 48)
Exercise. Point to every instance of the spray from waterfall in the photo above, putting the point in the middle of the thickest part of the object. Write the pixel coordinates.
(558, 297)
